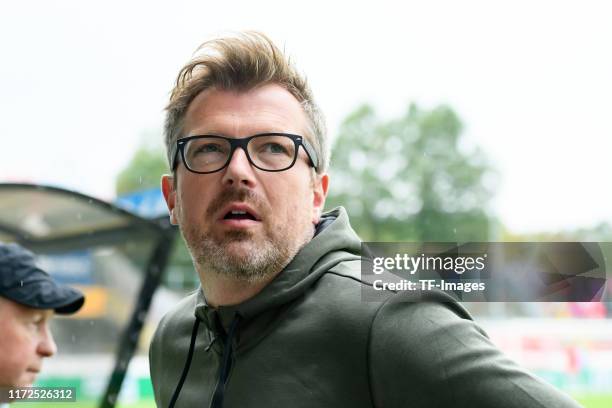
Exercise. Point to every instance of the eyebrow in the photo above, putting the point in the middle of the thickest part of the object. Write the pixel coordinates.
(234, 136)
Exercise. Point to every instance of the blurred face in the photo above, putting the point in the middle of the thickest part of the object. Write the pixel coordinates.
(241, 221)
(25, 340)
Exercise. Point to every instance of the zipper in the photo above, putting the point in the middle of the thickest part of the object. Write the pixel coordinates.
(226, 365)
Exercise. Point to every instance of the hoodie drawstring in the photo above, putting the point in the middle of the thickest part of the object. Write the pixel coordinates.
(194, 334)
(224, 369)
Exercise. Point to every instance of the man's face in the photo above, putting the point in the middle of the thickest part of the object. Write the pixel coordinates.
(282, 207)
(25, 340)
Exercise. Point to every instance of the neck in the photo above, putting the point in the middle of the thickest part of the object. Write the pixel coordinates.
(221, 290)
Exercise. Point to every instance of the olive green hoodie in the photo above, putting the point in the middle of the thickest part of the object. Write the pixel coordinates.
(308, 340)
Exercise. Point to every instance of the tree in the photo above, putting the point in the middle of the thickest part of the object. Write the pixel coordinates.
(143, 172)
(408, 179)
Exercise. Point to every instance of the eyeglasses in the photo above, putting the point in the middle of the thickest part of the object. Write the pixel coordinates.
(205, 154)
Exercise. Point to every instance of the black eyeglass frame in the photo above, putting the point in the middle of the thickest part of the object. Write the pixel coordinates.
(242, 143)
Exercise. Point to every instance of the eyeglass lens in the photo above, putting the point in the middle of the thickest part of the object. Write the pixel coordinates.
(268, 152)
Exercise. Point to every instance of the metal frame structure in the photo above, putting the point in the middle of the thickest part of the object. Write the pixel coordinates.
(126, 226)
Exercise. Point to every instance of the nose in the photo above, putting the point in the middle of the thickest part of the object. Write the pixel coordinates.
(46, 345)
(239, 171)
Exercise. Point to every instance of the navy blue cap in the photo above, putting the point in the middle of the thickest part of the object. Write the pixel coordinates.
(25, 283)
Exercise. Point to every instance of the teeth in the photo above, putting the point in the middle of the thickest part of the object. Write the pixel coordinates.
(238, 212)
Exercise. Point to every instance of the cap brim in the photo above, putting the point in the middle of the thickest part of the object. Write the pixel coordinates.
(73, 302)
(23, 282)
(46, 294)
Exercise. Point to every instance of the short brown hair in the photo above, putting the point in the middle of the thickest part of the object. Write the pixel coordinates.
(241, 63)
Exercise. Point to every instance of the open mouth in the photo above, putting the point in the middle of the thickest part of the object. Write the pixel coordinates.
(239, 215)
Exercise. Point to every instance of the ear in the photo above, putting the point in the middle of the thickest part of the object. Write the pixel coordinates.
(319, 194)
(169, 191)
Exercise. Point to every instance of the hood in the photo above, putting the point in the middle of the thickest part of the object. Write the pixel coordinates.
(335, 241)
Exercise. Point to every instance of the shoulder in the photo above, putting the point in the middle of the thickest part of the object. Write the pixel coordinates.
(180, 317)
(344, 292)
(344, 285)
(349, 298)
(169, 346)
(174, 327)
(438, 354)
(347, 276)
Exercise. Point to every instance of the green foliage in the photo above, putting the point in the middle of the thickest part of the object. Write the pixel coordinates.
(595, 400)
(143, 172)
(408, 179)
(83, 404)
(602, 232)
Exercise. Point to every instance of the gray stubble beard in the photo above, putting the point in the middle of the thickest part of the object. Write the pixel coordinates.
(265, 261)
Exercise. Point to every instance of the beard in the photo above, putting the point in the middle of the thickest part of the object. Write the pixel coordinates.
(240, 254)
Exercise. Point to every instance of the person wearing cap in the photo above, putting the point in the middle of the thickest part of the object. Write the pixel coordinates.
(29, 298)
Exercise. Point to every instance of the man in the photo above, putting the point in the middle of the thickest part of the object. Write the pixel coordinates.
(28, 299)
(279, 320)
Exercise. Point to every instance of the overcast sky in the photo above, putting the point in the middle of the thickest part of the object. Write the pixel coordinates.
(81, 82)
